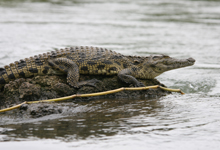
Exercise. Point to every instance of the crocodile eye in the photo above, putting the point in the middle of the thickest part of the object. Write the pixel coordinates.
(156, 58)
(165, 56)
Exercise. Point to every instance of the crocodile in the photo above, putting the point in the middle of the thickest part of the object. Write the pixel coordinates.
(78, 60)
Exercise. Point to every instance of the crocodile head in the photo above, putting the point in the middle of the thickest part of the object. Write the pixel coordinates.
(156, 65)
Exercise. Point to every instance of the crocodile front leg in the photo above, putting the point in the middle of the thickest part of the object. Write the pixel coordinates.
(67, 66)
(126, 76)
(72, 70)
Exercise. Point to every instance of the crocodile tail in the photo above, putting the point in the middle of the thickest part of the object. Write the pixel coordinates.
(7, 74)
(29, 67)
(18, 69)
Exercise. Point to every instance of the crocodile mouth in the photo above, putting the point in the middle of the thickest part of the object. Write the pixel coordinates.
(179, 63)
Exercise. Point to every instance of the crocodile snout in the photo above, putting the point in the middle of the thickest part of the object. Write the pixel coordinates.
(191, 60)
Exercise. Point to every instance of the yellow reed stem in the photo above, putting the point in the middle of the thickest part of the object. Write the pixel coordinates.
(93, 94)
(52, 100)
(13, 107)
(172, 90)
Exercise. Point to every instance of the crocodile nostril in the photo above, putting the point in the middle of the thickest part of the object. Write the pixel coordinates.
(191, 59)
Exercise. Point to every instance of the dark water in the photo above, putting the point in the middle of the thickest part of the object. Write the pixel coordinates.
(179, 28)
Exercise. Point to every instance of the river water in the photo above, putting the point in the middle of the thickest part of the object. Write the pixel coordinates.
(178, 28)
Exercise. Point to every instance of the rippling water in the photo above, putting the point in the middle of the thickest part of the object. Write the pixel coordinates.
(179, 28)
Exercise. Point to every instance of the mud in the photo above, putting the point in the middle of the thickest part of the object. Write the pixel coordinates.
(48, 87)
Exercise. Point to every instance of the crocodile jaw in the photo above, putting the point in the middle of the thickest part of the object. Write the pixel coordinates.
(166, 63)
(178, 63)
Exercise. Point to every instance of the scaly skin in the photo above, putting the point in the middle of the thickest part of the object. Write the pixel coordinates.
(94, 61)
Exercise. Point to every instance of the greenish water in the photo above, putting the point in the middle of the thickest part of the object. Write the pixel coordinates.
(178, 28)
